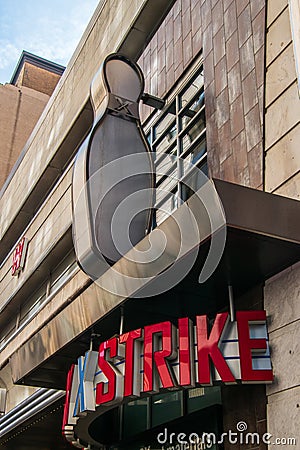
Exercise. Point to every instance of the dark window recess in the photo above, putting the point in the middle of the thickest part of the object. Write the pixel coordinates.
(33, 303)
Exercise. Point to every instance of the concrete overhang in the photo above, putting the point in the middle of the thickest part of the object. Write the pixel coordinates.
(263, 238)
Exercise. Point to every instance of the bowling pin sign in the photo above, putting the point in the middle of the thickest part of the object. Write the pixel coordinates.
(113, 175)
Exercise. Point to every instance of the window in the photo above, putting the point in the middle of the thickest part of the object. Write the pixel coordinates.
(135, 425)
(177, 135)
(166, 406)
(135, 417)
(39, 298)
(160, 409)
(63, 272)
(203, 397)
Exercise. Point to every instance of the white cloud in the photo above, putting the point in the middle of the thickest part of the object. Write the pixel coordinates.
(8, 53)
(51, 30)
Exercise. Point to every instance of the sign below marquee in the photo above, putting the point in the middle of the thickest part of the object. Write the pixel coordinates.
(19, 256)
(161, 356)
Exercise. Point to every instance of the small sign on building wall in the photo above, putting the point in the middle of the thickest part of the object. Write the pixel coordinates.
(2, 401)
(19, 256)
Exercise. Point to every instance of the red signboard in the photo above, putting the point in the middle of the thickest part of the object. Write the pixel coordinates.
(19, 257)
(165, 356)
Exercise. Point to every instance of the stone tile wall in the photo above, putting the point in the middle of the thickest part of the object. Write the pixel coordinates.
(283, 307)
(282, 176)
(282, 163)
(232, 36)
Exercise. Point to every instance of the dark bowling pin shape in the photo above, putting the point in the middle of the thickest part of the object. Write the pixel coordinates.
(113, 178)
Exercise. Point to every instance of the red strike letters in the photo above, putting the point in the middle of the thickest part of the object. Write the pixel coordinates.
(161, 343)
(158, 356)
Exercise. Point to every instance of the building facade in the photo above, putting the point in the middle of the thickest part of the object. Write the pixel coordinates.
(22, 101)
(227, 71)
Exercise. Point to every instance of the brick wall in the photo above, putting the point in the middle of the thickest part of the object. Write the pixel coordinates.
(20, 109)
(232, 35)
(39, 79)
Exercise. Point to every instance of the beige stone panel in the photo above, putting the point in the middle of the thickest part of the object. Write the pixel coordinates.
(62, 298)
(106, 31)
(291, 188)
(285, 349)
(278, 36)
(50, 232)
(283, 160)
(282, 298)
(283, 417)
(280, 74)
(282, 115)
(274, 8)
(51, 202)
(15, 394)
(18, 394)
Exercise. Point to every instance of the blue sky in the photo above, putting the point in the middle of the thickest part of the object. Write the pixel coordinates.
(50, 29)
